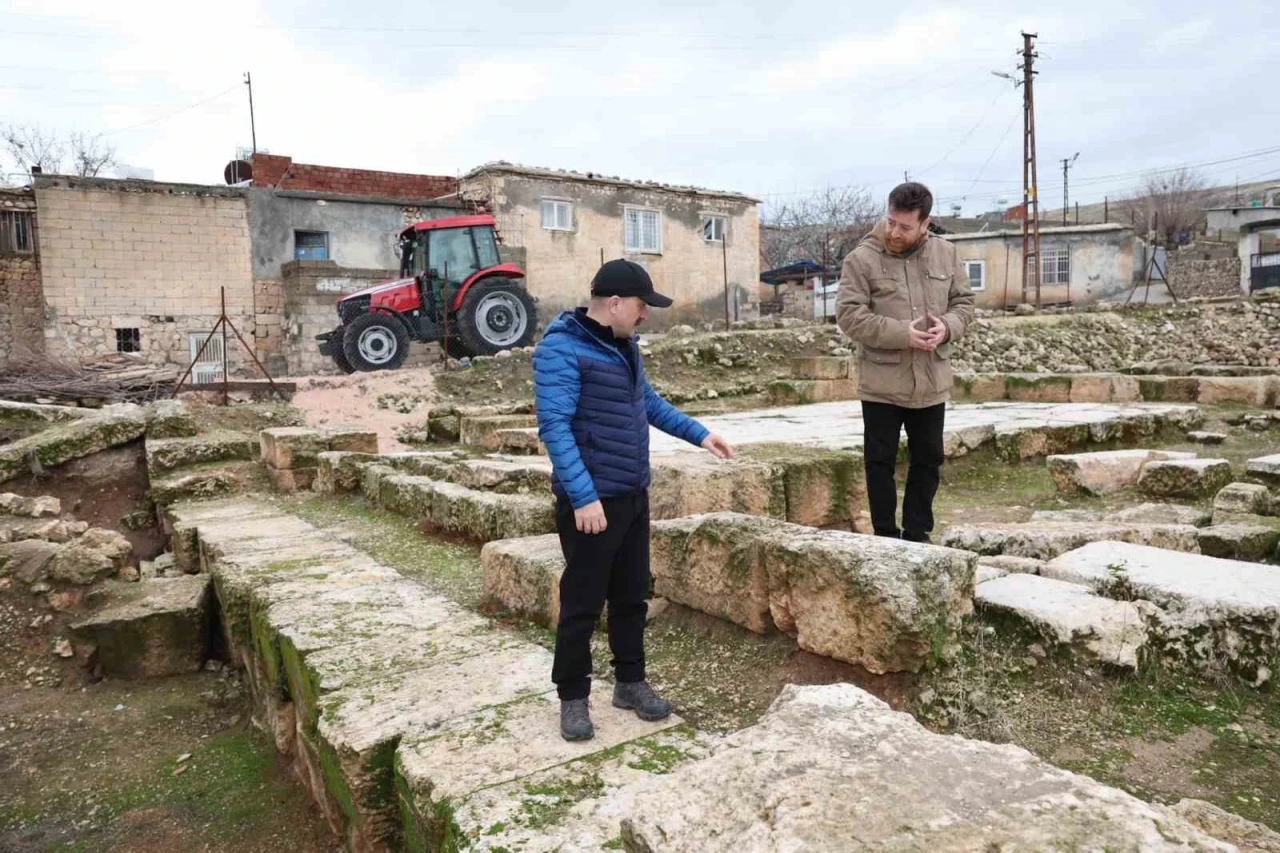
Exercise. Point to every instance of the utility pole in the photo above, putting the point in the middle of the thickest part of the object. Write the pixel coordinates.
(1066, 164)
(253, 130)
(1030, 195)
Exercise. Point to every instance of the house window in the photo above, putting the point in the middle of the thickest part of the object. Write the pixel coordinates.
(977, 273)
(557, 215)
(1055, 266)
(128, 340)
(714, 228)
(15, 233)
(643, 230)
(310, 245)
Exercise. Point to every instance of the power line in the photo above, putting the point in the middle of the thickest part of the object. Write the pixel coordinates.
(172, 114)
(966, 135)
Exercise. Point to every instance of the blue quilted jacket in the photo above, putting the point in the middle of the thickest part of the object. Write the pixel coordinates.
(594, 414)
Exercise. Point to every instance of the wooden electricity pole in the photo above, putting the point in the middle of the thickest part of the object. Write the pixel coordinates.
(1030, 193)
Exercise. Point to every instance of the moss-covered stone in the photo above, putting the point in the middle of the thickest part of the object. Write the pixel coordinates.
(1039, 388)
(167, 454)
(72, 440)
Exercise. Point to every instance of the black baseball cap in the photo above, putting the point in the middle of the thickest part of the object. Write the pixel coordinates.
(627, 278)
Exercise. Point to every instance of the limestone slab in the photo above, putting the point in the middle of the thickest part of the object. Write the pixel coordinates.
(820, 367)
(154, 628)
(1104, 472)
(1185, 477)
(523, 576)
(1266, 468)
(290, 447)
(684, 484)
(1236, 541)
(167, 454)
(1214, 613)
(1068, 614)
(834, 768)
(1044, 541)
(72, 439)
(484, 516)
(1161, 513)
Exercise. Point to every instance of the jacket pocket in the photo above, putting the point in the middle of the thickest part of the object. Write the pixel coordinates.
(882, 356)
(943, 351)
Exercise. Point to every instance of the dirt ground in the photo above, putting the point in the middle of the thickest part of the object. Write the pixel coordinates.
(160, 765)
(381, 401)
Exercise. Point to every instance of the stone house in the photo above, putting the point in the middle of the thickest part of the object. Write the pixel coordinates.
(318, 232)
(140, 267)
(559, 225)
(21, 297)
(1079, 264)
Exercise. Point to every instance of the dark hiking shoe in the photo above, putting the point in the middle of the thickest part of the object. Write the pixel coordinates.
(575, 719)
(916, 537)
(638, 696)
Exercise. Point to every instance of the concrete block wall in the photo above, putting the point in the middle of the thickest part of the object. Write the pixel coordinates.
(133, 254)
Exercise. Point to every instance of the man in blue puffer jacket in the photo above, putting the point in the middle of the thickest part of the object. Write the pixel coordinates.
(594, 411)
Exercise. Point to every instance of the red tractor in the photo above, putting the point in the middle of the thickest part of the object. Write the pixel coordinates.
(452, 288)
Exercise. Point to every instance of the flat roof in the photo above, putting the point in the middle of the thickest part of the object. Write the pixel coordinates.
(1102, 227)
(612, 180)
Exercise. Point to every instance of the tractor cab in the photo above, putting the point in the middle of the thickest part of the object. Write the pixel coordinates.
(453, 287)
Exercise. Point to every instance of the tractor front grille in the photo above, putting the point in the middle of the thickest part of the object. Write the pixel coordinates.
(349, 309)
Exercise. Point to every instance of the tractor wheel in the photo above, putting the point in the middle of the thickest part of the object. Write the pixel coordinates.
(336, 352)
(375, 342)
(496, 314)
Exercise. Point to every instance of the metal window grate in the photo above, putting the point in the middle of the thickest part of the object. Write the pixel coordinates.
(16, 233)
(128, 340)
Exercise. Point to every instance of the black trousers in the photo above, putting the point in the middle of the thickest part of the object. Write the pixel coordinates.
(612, 566)
(882, 428)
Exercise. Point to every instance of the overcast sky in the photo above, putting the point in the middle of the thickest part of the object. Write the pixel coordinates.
(772, 99)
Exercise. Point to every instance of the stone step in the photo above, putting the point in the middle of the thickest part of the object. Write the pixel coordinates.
(504, 779)
(479, 515)
(150, 628)
(73, 439)
(1069, 615)
(785, 783)
(1161, 513)
(204, 481)
(168, 454)
(1212, 612)
(345, 657)
(888, 605)
(1044, 541)
(482, 432)
(169, 419)
(1104, 472)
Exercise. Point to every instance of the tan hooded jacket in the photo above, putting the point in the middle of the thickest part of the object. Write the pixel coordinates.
(880, 294)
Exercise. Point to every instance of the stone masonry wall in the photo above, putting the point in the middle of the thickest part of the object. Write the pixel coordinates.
(21, 293)
(310, 291)
(150, 256)
(1189, 277)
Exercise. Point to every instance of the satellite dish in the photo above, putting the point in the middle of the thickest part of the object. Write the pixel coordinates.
(237, 171)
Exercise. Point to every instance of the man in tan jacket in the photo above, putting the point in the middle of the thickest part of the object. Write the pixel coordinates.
(904, 297)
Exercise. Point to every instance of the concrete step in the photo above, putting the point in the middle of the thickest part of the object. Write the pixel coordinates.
(1069, 615)
(150, 628)
(1213, 613)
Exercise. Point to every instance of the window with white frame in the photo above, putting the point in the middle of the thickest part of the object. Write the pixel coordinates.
(557, 214)
(977, 274)
(643, 230)
(714, 228)
(1055, 265)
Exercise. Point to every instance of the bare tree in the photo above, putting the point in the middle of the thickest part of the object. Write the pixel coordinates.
(824, 226)
(31, 145)
(90, 155)
(1167, 203)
